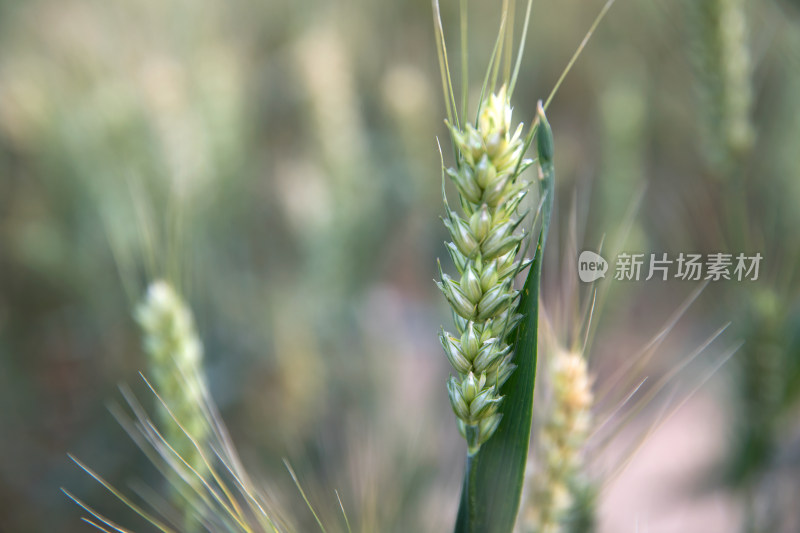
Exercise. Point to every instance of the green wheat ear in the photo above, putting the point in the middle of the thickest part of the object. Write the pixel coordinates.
(485, 247)
(486, 242)
(494, 349)
(722, 58)
(175, 357)
(209, 488)
(486, 239)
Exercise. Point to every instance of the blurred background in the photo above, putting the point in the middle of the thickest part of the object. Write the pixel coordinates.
(279, 160)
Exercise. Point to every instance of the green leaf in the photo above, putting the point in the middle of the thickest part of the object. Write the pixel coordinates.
(494, 475)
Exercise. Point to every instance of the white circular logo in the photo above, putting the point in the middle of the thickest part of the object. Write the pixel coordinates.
(591, 266)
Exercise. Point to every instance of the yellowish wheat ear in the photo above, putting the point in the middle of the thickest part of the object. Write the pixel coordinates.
(558, 485)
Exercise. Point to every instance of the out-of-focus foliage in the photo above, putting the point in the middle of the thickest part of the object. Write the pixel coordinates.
(278, 161)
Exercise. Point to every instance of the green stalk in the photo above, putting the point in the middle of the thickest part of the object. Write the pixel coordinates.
(469, 490)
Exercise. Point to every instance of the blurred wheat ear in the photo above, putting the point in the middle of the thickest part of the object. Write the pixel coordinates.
(722, 58)
(175, 366)
(560, 492)
(209, 489)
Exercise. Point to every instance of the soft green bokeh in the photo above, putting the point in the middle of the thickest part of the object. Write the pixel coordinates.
(278, 161)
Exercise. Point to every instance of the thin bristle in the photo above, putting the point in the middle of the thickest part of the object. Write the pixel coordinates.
(444, 66)
(512, 83)
(303, 494)
(120, 496)
(95, 514)
(578, 52)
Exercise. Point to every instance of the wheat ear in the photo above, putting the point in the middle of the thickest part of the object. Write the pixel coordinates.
(724, 68)
(175, 356)
(484, 248)
(558, 486)
(188, 442)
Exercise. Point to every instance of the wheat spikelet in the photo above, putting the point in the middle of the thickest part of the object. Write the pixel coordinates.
(484, 248)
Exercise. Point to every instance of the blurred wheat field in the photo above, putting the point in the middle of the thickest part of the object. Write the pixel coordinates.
(278, 161)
